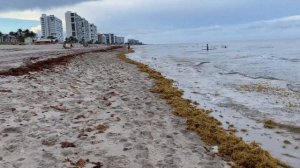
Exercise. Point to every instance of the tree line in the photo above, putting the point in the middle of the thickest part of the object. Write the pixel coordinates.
(21, 34)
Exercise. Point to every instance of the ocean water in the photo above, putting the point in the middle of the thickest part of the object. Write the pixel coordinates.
(244, 84)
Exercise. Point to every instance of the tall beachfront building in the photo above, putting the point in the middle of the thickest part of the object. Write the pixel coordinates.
(119, 40)
(51, 26)
(93, 33)
(102, 39)
(74, 25)
(109, 39)
(80, 28)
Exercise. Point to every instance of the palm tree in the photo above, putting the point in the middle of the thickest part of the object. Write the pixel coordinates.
(1, 37)
(32, 34)
(71, 40)
(26, 33)
(51, 37)
(20, 32)
(12, 33)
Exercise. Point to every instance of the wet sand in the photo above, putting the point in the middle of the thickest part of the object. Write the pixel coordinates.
(95, 112)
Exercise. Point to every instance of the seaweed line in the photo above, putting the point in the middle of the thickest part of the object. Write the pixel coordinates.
(231, 147)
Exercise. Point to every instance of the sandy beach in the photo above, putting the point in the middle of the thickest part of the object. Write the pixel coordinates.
(97, 111)
(13, 56)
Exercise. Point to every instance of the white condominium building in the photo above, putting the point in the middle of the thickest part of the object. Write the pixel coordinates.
(74, 25)
(110, 39)
(102, 39)
(93, 33)
(51, 26)
(80, 28)
(86, 30)
(119, 40)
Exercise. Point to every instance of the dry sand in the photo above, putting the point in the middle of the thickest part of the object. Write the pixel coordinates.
(95, 111)
(13, 56)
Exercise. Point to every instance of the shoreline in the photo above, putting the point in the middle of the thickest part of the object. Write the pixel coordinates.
(235, 149)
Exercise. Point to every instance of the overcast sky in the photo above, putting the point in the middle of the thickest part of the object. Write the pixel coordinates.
(167, 21)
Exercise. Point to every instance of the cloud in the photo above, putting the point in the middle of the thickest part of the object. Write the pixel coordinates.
(163, 21)
(22, 15)
(37, 29)
(281, 28)
(289, 18)
(8, 5)
(7, 25)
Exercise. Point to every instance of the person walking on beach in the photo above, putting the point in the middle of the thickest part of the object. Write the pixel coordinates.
(128, 46)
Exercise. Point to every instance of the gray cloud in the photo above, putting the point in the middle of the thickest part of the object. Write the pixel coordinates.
(282, 28)
(168, 21)
(8, 5)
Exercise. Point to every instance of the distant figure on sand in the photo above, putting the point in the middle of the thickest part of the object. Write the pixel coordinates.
(128, 46)
(207, 47)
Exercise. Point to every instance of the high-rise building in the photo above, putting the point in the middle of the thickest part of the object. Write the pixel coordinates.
(74, 25)
(134, 42)
(102, 39)
(93, 33)
(86, 30)
(51, 27)
(80, 28)
(120, 40)
(107, 39)
(112, 38)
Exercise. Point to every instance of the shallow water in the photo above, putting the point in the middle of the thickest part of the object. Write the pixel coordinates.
(244, 84)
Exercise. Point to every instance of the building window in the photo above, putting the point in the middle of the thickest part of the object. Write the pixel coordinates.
(72, 14)
(73, 27)
(72, 19)
(73, 34)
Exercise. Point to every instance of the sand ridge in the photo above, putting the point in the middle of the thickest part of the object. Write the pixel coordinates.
(95, 112)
